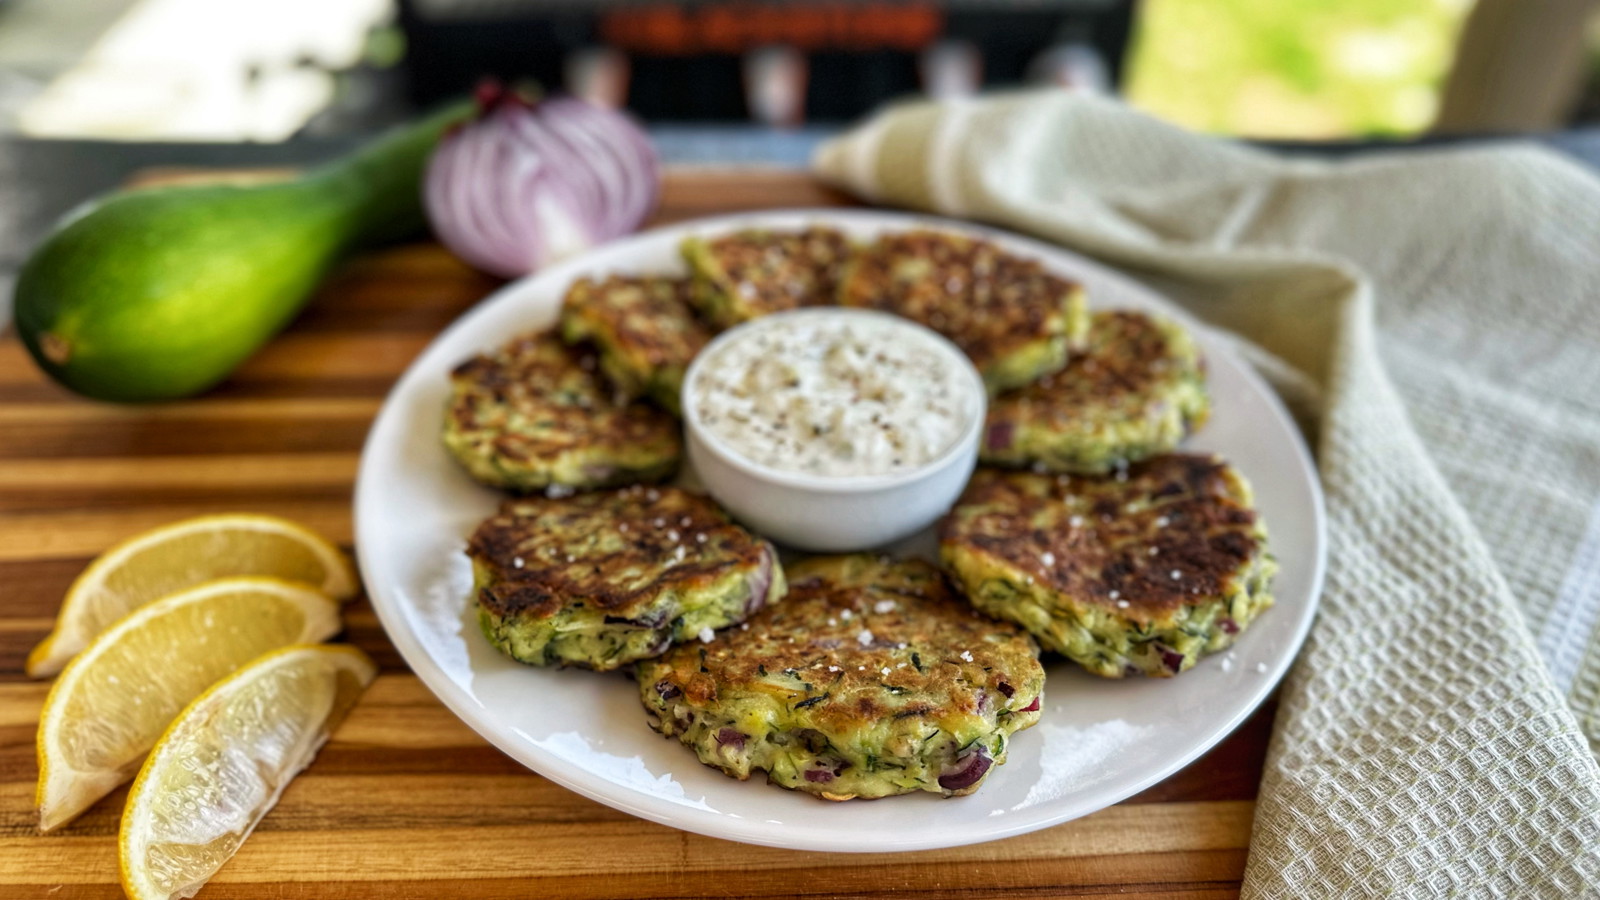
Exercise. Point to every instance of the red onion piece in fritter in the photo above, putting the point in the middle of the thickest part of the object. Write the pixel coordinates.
(761, 582)
(1170, 658)
(999, 435)
(967, 770)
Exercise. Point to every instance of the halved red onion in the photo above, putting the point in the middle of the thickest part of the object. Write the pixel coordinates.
(529, 182)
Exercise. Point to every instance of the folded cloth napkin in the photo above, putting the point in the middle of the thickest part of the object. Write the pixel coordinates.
(1434, 315)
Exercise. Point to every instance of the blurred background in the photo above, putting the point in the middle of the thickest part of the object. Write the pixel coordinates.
(1301, 70)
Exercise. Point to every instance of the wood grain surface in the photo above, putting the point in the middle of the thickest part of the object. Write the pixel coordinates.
(406, 801)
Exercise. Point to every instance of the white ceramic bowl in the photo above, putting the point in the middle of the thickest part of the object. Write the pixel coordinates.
(834, 513)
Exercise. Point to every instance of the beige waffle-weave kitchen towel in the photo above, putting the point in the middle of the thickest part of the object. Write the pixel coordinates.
(1435, 315)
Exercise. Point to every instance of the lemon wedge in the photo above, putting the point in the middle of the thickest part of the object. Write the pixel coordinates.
(169, 559)
(116, 697)
(226, 760)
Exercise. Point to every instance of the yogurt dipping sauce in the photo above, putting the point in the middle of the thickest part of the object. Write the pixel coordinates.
(835, 392)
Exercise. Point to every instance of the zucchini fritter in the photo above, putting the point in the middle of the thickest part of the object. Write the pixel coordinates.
(601, 580)
(870, 679)
(644, 329)
(535, 414)
(1014, 319)
(1136, 392)
(1142, 572)
(748, 274)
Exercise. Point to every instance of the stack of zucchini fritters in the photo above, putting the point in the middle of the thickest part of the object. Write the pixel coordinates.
(856, 676)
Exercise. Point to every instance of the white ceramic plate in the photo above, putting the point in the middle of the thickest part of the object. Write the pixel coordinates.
(1096, 743)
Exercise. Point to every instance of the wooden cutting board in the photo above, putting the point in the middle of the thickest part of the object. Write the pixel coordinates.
(406, 801)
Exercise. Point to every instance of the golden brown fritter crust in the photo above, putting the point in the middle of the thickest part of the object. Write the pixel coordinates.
(751, 273)
(1014, 319)
(613, 551)
(1101, 531)
(1137, 391)
(871, 678)
(922, 617)
(534, 414)
(644, 329)
(1146, 568)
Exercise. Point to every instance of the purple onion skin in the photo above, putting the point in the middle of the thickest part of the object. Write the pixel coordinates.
(667, 690)
(1031, 707)
(967, 771)
(819, 776)
(1006, 689)
(729, 737)
(999, 436)
(1228, 626)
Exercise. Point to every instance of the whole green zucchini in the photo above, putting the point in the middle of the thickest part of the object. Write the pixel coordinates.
(159, 293)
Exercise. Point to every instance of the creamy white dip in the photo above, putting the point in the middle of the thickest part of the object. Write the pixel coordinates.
(835, 392)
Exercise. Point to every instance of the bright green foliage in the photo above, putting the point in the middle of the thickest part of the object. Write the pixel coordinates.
(1295, 68)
